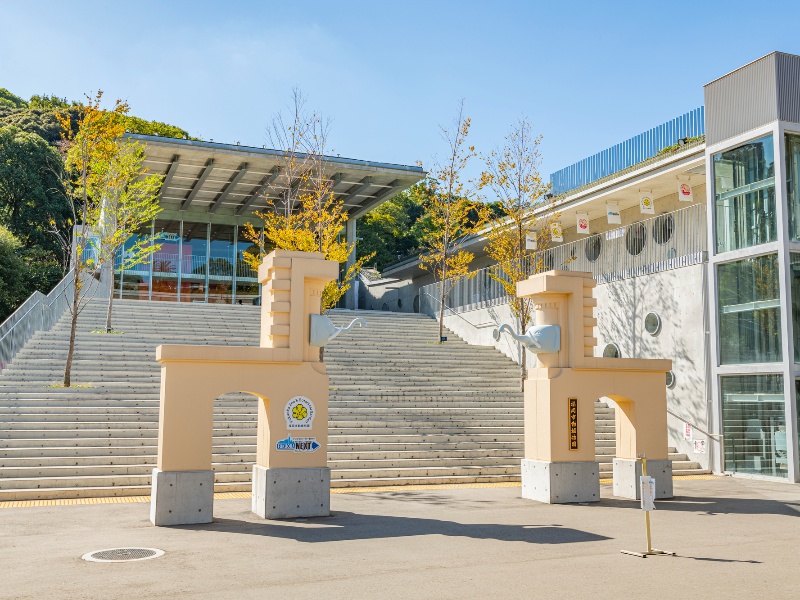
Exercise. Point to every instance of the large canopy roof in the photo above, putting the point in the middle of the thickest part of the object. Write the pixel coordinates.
(231, 180)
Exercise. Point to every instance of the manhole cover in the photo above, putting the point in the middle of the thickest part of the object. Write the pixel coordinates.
(122, 554)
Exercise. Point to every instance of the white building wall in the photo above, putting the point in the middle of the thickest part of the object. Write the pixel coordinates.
(676, 296)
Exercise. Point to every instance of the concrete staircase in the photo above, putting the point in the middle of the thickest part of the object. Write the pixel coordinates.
(403, 409)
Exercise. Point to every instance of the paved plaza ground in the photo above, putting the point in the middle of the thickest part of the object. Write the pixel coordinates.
(734, 538)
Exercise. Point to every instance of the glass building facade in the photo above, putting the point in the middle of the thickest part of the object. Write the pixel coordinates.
(744, 195)
(755, 310)
(754, 424)
(196, 262)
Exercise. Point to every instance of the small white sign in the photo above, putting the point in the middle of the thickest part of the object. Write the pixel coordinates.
(556, 233)
(685, 192)
(646, 204)
(647, 492)
(299, 413)
(613, 214)
(699, 446)
(582, 223)
(687, 432)
(531, 240)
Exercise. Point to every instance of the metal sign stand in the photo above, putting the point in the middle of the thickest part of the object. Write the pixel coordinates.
(647, 505)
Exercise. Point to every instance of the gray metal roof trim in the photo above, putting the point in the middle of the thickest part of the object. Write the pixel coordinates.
(774, 52)
(241, 150)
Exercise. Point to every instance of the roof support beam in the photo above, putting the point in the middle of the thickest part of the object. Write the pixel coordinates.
(262, 188)
(394, 187)
(173, 166)
(201, 179)
(362, 187)
(235, 178)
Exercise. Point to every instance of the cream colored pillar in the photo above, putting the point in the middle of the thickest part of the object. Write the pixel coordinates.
(290, 477)
(560, 465)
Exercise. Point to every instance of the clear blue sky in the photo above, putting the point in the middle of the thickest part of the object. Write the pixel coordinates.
(587, 74)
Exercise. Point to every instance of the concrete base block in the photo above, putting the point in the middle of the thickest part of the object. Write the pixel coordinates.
(560, 483)
(289, 493)
(182, 497)
(627, 472)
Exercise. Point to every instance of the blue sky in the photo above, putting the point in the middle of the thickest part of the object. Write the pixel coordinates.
(587, 74)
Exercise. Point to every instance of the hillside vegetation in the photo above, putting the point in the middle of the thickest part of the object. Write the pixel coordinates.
(32, 199)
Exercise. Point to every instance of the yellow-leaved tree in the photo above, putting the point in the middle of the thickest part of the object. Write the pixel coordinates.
(302, 211)
(453, 214)
(512, 174)
(109, 198)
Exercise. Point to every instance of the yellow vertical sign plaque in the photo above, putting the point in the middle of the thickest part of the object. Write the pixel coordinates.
(573, 423)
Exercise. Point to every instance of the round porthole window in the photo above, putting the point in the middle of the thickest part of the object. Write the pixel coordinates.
(416, 303)
(611, 351)
(652, 323)
(594, 245)
(663, 228)
(670, 379)
(635, 239)
(399, 303)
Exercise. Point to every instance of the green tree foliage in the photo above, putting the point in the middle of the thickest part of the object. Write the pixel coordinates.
(10, 100)
(12, 268)
(31, 192)
(39, 115)
(393, 230)
(137, 125)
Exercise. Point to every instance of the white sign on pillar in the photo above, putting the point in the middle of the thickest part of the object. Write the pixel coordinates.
(647, 492)
(531, 240)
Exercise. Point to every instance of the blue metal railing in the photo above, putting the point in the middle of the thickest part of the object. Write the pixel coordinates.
(628, 153)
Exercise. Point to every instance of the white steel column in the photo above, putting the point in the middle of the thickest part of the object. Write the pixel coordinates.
(787, 320)
(180, 258)
(350, 300)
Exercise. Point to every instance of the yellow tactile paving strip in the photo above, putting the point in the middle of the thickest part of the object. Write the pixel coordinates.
(352, 490)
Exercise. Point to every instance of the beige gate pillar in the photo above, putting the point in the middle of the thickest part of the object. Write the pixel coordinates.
(290, 477)
(560, 464)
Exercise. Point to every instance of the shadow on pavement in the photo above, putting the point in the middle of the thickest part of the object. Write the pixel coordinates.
(713, 506)
(343, 526)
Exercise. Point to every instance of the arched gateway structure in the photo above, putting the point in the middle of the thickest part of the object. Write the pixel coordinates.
(560, 464)
(290, 477)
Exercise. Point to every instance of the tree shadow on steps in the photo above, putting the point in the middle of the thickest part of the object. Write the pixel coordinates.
(346, 526)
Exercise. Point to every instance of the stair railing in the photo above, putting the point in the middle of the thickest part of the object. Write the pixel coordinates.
(717, 437)
(37, 313)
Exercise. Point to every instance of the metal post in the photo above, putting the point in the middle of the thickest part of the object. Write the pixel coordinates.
(235, 262)
(180, 258)
(152, 255)
(121, 271)
(350, 238)
(208, 257)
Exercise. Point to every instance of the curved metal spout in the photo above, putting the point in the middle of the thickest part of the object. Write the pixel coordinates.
(527, 340)
(359, 321)
(539, 339)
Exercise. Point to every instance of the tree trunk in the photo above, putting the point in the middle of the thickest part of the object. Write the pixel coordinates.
(110, 298)
(72, 329)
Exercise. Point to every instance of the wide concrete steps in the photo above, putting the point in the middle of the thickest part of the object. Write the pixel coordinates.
(404, 409)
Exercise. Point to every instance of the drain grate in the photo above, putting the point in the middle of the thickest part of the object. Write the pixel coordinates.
(122, 554)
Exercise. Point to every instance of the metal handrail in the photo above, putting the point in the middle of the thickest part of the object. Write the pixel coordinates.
(37, 313)
(661, 243)
(703, 431)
